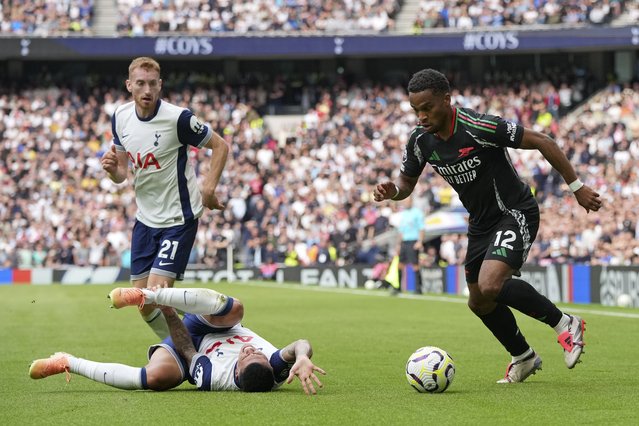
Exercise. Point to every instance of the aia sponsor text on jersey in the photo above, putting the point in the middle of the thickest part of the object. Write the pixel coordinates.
(140, 162)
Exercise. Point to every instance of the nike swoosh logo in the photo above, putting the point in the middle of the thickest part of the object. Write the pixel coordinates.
(165, 263)
(125, 136)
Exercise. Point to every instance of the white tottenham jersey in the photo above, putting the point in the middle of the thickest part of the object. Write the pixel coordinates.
(166, 189)
(213, 369)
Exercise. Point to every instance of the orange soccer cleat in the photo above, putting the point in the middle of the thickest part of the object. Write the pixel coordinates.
(129, 296)
(56, 364)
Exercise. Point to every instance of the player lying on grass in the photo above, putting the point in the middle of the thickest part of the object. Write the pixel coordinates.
(209, 348)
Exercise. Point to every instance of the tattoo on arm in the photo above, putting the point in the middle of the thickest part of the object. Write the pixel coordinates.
(181, 337)
(289, 352)
(295, 349)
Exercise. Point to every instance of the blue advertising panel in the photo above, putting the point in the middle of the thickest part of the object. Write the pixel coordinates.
(215, 46)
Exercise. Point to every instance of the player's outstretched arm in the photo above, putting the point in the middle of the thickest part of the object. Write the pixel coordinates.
(218, 161)
(179, 334)
(586, 196)
(300, 352)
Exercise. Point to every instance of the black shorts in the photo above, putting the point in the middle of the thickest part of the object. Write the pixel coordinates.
(509, 241)
(408, 254)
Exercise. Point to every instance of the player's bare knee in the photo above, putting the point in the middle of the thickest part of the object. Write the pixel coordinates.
(490, 288)
(478, 304)
(474, 306)
(162, 376)
(159, 382)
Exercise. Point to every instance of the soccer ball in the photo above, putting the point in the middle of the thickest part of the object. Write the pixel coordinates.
(430, 369)
(370, 284)
(624, 300)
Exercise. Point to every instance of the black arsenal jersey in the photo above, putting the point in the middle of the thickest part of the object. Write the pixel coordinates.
(475, 162)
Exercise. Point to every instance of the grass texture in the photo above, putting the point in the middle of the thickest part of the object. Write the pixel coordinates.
(361, 338)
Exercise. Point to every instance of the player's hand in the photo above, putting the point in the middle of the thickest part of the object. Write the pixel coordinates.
(210, 201)
(384, 191)
(158, 285)
(588, 199)
(305, 370)
(109, 161)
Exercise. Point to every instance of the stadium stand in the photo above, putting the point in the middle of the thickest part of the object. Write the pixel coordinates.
(43, 18)
(137, 17)
(147, 17)
(301, 196)
(304, 198)
(500, 13)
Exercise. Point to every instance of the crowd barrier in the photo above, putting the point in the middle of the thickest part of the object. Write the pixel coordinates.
(570, 283)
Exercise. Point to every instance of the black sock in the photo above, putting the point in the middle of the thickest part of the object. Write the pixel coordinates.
(418, 280)
(501, 322)
(522, 296)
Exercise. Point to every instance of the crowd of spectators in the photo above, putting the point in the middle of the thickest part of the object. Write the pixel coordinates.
(304, 198)
(46, 17)
(504, 13)
(140, 17)
(144, 17)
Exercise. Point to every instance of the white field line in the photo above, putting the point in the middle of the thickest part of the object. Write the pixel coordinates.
(450, 299)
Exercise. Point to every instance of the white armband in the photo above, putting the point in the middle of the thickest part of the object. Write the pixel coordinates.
(576, 185)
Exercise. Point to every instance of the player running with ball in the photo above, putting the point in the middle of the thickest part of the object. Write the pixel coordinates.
(468, 150)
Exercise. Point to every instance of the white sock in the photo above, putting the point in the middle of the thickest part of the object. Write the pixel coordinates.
(117, 375)
(522, 356)
(563, 324)
(191, 300)
(158, 324)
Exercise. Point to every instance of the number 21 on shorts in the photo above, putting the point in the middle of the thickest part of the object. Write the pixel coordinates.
(168, 249)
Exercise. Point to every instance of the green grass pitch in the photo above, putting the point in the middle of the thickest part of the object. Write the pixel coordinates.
(361, 338)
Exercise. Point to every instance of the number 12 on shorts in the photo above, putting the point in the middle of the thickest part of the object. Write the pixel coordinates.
(508, 235)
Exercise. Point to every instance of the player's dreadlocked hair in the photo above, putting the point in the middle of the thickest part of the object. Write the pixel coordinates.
(256, 377)
(428, 79)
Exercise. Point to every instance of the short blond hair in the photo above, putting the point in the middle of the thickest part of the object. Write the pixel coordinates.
(144, 62)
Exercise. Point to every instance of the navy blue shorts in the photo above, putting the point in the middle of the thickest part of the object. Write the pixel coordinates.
(161, 251)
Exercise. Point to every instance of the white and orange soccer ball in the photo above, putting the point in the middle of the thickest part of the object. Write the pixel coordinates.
(430, 369)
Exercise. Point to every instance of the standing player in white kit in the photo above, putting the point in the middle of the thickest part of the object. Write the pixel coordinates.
(156, 136)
